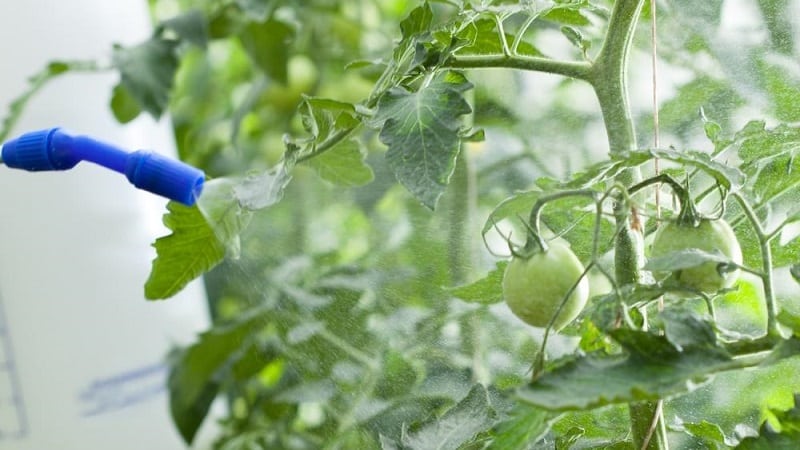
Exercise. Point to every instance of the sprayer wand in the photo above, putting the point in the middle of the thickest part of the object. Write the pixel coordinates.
(55, 149)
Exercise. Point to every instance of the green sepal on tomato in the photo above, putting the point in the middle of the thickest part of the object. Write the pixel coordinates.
(535, 286)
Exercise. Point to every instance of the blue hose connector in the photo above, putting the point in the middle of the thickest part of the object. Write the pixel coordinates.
(55, 149)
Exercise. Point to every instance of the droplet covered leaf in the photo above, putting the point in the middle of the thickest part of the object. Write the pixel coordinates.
(421, 129)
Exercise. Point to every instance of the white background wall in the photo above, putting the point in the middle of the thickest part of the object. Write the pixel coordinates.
(75, 252)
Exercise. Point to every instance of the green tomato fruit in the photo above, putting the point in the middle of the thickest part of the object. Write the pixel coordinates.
(710, 236)
(535, 287)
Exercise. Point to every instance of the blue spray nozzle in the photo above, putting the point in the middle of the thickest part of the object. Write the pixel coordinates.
(55, 149)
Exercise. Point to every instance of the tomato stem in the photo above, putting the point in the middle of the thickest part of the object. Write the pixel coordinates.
(773, 329)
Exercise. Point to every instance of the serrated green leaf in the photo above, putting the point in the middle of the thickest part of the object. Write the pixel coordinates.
(729, 177)
(795, 272)
(267, 44)
(524, 425)
(191, 26)
(458, 425)
(421, 130)
(710, 434)
(343, 165)
(769, 159)
(600, 172)
(191, 250)
(769, 438)
(483, 38)
(418, 21)
(567, 440)
(323, 118)
(198, 372)
(485, 291)
(685, 329)
(123, 105)
(652, 370)
(147, 71)
(570, 15)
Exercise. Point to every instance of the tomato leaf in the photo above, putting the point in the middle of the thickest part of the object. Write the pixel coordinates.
(653, 369)
(567, 15)
(267, 44)
(418, 21)
(684, 329)
(147, 71)
(706, 432)
(458, 425)
(523, 424)
(421, 129)
(191, 26)
(343, 165)
(191, 250)
(483, 38)
(787, 436)
(198, 371)
(201, 237)
(486, 291)
(770, 161)
(729, 177)
(124, 105)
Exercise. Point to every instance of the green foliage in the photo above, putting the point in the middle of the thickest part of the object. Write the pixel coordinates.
(146, 72)
(191, 250)
(200, 370)
(785, 432)
(350, 160)
(485, 291)
(421, 131)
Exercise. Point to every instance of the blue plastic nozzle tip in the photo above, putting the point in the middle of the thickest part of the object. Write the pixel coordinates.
(36, 151)
(164, 176)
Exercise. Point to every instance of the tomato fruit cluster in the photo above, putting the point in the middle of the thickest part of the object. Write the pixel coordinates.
(534, 287)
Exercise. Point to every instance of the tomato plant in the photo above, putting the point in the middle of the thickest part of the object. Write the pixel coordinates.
(339, 239)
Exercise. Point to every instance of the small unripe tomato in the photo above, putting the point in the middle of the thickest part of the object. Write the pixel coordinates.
(709, 236)
(534, 287)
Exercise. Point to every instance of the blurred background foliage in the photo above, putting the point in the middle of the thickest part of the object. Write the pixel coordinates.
(334, 326)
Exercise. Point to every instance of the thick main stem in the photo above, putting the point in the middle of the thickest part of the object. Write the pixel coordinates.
(608, 77)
